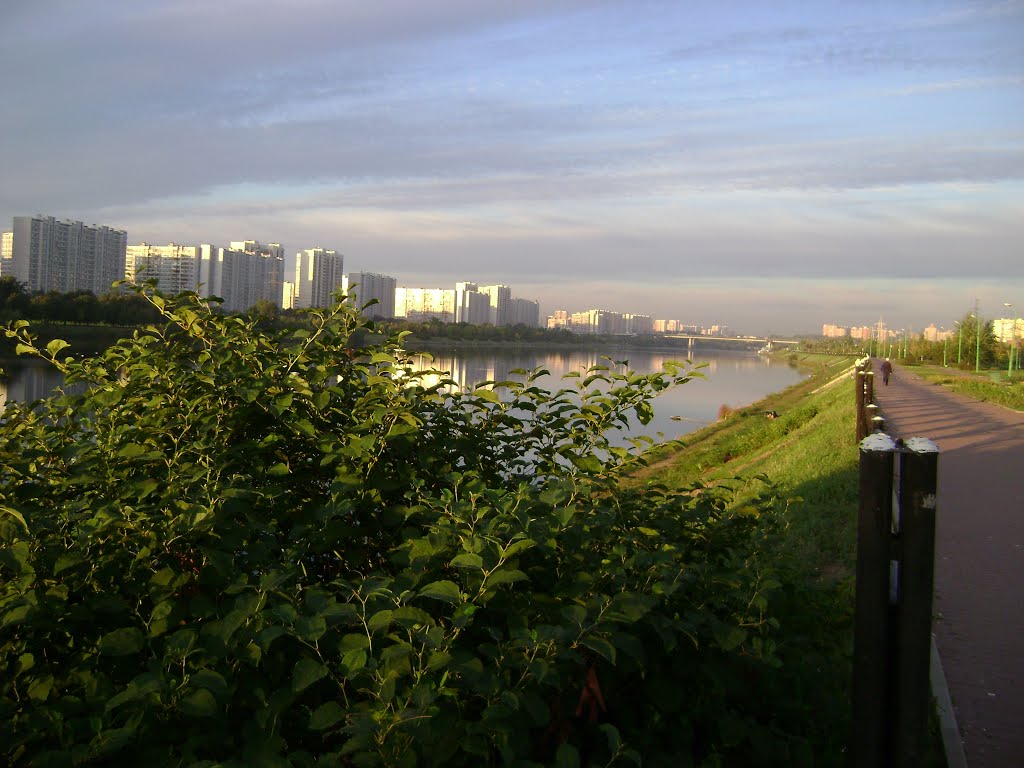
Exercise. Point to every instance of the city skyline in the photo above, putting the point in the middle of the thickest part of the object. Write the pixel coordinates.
(751, 166)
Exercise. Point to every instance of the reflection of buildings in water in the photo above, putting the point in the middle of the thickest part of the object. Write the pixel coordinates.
(28, 383)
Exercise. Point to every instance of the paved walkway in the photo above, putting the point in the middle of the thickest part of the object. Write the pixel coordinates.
(979, 565)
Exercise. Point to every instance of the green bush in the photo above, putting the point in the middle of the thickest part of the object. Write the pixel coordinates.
(245, 546)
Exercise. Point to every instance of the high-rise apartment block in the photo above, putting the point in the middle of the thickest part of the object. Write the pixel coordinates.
(499, 296)
(261, 276)
(834, 331)
(471, 306)
(420, 304)
(174, 267)
(6, 251)
(524, 312)
(65, 256)
(364, 287)
(318, 274)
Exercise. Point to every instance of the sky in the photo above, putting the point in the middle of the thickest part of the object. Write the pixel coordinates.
(769, 166)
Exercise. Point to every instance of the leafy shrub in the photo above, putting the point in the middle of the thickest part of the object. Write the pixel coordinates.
(247, 546)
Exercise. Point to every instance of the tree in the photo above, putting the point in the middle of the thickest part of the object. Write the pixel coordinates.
(251, 546)
(975, 352)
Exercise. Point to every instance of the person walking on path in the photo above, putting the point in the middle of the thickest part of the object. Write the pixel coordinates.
(886, 371)
(979, 559)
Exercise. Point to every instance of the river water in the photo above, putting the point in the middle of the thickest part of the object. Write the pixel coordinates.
(729, 378)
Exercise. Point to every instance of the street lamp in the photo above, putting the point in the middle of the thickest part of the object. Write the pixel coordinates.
(977, 343)
(1013, 340)
(960, 343)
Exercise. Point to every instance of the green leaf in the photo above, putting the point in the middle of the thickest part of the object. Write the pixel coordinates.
(353, 661)
(467, 560)
(567, 756)
(122, 642)
(39, 689)
(24, 349)
(729, 637)
(56, 346)
(326, 715)
(446, 591)
(131, 451)
(199, 703)
(278, 469)
(600, 646)
(305, 673)
(16, 515)
(505, 576)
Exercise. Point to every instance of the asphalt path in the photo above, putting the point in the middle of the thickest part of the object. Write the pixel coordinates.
(979, 564)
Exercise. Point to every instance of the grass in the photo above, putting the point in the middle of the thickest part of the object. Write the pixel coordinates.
(808, 453)
(989, 386)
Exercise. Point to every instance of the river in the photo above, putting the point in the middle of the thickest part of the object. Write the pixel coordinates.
(729, 378)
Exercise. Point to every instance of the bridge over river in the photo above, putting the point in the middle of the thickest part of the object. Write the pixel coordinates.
(767, 344)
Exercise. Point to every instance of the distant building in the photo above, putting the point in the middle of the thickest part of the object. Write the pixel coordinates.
(6, 252)
(471, 306)
(318, 274)
(499, 296)
(174, 267)
(638, 324)
(560, 319)
(261, 275)
(421, 304)
(367, 286)
(1007, 328)
(862, 332)
(65, 256)
(524, 312)
(834, 331)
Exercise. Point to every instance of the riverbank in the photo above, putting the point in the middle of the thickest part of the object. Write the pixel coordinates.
(798, 445)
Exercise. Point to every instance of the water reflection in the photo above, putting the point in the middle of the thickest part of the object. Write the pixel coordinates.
(727, 378)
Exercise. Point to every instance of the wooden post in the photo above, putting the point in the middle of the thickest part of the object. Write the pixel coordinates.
(861, 427)
(869, 742)
(917, 500)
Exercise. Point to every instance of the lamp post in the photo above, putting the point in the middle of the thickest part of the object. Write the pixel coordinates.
(977, 343)
(945, 345)
(1013, 341)
(960, 343)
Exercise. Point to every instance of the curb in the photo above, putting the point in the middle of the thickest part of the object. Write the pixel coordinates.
(952, 744)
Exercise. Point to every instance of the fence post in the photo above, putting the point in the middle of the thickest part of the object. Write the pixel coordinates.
(917, 502)
(859, 389)
(869, 742)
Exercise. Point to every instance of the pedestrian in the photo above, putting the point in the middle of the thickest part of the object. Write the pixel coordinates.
(886, 371)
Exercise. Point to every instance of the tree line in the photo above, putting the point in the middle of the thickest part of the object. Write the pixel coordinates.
(17, 302)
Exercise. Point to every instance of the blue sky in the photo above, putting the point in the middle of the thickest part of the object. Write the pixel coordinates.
(770, 166)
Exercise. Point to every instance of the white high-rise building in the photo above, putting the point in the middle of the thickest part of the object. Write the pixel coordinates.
(65, 256)
(471, 306)
(318, 274)
(6, 252)
(500, 296)
(419, 304)
(174, 267)
(524, 312)
(261, 276)
(367, 286)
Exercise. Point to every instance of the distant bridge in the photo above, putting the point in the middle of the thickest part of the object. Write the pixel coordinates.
(767, 344)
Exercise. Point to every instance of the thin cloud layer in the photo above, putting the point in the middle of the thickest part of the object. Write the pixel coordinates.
(625, 147)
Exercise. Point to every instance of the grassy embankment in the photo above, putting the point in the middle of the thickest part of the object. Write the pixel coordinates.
(988, 386)
(809, 454)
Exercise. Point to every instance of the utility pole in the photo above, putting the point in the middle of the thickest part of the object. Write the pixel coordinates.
(977, 342)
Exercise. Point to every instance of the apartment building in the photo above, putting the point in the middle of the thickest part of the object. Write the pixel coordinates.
(500, 297)
(421, 304)
(471, 306)
(834, 331)
(261, 273)
(6, 251)
(175, 267)
(524, 312)
(65, 256)
(318, 274)
(363, 287)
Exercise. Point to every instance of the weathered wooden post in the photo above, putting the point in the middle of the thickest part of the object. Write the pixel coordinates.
(858, 378)
(869, 743)
(917, 505)
(893, 622)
